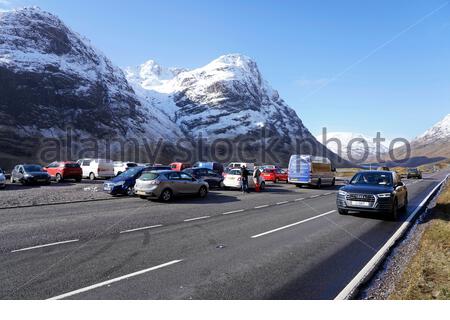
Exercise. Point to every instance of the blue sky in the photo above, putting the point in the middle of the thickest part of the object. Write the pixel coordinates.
(361, 66)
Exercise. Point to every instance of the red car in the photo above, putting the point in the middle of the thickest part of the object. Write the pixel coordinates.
(275, 175)
(66, 170)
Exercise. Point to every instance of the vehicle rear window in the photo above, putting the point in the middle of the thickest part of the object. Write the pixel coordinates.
(148, 176)
(71, 165)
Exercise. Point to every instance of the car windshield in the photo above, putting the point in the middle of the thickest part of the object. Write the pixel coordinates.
(71, 165)
(32, 168)
(149, 176)
(131, 172)
(412, 170)
(372, 178)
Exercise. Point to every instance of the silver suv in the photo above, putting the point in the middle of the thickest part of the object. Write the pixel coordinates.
(165, 185)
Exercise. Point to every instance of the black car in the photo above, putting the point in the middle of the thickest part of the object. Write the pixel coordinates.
(374, 191)
(30, 174)
(414, 173)
(213, 178)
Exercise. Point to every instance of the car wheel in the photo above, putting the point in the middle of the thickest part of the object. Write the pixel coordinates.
(221, 185)
(405, 207)
(343, 212)
(92, 176)
(394, 211)
(203, 192)
(130, 191)
(166, 195)
(58, 178)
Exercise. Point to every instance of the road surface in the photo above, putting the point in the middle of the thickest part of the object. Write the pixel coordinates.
(285, 243)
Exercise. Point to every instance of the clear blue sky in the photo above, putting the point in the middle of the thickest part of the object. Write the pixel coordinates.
(401, 89)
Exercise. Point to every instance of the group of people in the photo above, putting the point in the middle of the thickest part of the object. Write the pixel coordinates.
(245, 173)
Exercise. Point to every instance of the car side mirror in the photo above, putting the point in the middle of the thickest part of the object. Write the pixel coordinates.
(346, 182)
(400, 184)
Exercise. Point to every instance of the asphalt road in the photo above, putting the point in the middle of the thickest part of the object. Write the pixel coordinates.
(285, 243)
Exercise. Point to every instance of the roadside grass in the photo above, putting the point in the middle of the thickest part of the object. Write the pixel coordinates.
(427, 277)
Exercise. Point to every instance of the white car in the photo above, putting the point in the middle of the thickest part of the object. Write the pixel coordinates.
(238, 165)
(2, 179)
(233, 180)
(120, 167)
(97, 168)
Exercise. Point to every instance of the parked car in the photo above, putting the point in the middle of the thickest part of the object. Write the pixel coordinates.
(29, 174)
(120, 167)
(125, 182)
(65, 170)
(275, 175)
(414, 173)
(212, 178)
(165, 185)
(238, 165)
(311, 171)
(2, 179)
(97, 168)
(179, 166)
(233, 180)
(214, 166)
(374, 191)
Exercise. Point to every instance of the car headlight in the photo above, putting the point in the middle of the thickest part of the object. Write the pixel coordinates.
(343, 193)
(26, 175)
(384, 195)
(119, 184)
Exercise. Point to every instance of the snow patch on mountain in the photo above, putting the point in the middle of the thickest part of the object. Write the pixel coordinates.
(439, 132)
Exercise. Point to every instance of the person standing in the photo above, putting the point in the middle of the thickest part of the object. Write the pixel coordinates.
(257, 179)
(244, 179)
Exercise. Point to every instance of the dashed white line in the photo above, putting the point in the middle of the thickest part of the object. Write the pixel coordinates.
(328, 193)
(316, 196)
(195, 219)
(141, 229)
(231, 212)
(299, 199)
(105, 283)
(282, 202)
(263, 206)
(45, 245)
(293, 224)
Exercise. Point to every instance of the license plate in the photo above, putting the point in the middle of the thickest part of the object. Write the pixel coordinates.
(360, 204)
(142, 193)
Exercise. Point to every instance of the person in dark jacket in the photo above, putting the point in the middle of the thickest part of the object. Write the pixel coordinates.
(244, 179)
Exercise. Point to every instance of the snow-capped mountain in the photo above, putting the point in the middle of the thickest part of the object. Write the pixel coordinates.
(53, 78)
(439, 132)
(353, 146)
(226, 98)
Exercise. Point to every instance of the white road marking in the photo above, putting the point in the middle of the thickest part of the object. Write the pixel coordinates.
(105, 283)
(141, 229)
(282, 202)
(370, 267)
(299, 199)
(316, 196)
(264, 206)
(231, 212)
(293, 224)
(328, 193)
(45, 245)
(195, 219)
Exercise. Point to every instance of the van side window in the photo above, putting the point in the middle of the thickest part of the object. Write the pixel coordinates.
(86, 163)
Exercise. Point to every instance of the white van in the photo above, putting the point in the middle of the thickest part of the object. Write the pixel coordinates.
(311, 171)
(97, 168)
(235, 165)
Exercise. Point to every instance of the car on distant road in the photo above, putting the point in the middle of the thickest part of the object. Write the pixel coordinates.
(233, 180)
(414, 173)
(374, 191)
(384, 169)
(97, 168)
(65, 170)
(30, 174)
(211, 177)
(125, 182)
(2, 179)
(275, 175)
(165, 185)
(238, 165)
(120, 167)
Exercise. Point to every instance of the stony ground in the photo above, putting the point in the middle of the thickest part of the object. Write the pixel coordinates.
(17, 195)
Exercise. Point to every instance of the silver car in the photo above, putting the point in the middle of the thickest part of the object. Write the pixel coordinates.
(2, 179)
(165, 185)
